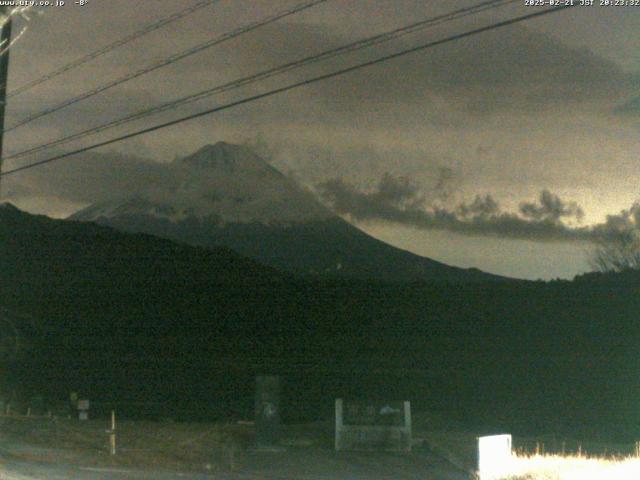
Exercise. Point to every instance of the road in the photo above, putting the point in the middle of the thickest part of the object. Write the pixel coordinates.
(293, 464)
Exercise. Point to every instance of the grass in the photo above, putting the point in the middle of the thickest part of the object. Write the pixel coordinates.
(159, 445)
(546, 457)
(573, 467)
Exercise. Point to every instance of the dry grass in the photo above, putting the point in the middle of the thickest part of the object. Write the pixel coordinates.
(530, 462)
(158, 445)
(573, 467)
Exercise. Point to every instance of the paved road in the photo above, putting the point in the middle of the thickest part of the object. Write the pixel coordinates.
(22, 470)
(260, 466)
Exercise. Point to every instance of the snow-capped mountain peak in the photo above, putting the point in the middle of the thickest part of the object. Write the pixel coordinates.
(224, 183)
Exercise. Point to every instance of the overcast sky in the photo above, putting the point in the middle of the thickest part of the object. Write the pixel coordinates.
(505, 151)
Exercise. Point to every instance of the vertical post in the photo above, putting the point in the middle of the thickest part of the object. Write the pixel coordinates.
(112, 434)
(5, 41)
(339, 424)
(407, 426)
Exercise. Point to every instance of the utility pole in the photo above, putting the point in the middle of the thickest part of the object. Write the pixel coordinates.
(5, 42)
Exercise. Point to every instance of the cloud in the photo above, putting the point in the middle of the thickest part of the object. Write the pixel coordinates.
(90, 178)
(481, 207)
(511, 68)
(620, 224)
(550, 208)
(397, 200)
(436, 93)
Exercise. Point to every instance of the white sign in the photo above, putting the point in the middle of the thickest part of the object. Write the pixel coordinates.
(494, 457)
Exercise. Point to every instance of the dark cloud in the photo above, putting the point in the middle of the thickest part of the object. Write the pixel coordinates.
(481, 207)
(624, 223)
(511, 68)
(445, 183)
(618, 242)
(396, 200)
(550, 208)
(93, 177)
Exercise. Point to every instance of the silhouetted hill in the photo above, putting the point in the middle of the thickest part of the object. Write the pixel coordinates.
(40, 244)
(624, 279)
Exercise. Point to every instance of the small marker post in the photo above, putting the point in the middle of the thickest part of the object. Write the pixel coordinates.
(112, 433)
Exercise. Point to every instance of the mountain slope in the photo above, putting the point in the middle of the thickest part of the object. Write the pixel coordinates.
(34, 245)
(225, 195)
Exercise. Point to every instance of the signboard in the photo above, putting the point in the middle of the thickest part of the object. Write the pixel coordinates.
(83, 409)
(374, 413)
(494, 457)
(373, 425)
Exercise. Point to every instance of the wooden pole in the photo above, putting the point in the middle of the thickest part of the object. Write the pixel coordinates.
(112, 435)
(5, 41)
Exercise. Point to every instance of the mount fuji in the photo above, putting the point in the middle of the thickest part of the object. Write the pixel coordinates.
(226, 195)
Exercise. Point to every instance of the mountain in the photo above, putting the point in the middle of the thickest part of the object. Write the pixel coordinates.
(37, 249)
(225, 195)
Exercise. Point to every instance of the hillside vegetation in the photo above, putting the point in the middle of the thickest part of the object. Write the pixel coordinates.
(135, 318)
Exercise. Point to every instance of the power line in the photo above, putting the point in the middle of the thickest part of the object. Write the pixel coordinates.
(112, 46)
(295, 85)
(265, 74)
(169, 60)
